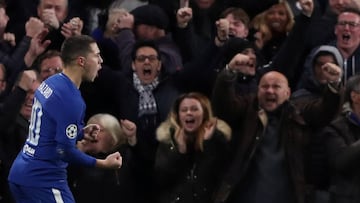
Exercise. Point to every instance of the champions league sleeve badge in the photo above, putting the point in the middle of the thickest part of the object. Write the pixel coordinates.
(71, 131)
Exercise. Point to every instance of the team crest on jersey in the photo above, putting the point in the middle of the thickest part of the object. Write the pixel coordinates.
(71, 131)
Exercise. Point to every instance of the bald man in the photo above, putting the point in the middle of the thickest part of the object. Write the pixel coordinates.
(269, 135)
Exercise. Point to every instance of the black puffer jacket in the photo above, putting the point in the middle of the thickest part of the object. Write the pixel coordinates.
(193, 176)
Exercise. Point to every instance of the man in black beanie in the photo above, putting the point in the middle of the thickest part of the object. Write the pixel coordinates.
(150, 15)
(246, 80)
(148, 22)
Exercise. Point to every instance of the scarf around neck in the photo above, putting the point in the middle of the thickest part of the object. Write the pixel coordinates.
(147, 103)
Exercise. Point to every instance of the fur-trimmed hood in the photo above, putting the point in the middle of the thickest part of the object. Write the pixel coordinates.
(164, 131)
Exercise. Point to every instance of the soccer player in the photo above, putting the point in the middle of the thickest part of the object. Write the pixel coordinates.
(38, 174)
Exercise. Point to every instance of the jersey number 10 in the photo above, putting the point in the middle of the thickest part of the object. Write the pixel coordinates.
(35, 123)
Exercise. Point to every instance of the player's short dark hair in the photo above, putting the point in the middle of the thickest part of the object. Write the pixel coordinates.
(76, 46)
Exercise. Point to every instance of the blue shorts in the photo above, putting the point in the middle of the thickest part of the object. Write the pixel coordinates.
(25, 194)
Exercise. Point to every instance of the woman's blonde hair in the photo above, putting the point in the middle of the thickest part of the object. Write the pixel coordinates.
(259, 21)
(111, 125)
(289, 14)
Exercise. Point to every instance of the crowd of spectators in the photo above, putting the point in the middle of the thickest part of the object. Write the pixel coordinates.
(232, 100)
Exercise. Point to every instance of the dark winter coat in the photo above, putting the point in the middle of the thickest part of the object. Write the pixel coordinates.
(343, 136)
(295, 122)
(193, 176)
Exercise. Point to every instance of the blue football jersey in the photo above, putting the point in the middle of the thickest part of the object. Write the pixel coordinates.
(55, 126)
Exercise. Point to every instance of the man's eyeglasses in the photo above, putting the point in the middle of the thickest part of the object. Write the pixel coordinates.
(352, 25)
(142, 58)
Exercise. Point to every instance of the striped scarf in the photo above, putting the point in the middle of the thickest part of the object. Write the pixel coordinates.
(147, 103)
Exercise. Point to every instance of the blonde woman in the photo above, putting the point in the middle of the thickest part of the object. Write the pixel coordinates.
(192, 151)
(110, 186)
(111, 135)
(272, 26)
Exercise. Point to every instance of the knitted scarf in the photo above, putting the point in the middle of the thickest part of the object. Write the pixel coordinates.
(147, 103)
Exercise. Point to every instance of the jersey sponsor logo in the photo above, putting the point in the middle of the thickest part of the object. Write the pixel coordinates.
(28, 150)
(71, 131)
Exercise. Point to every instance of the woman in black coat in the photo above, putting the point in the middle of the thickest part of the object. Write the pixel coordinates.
(192, 152)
